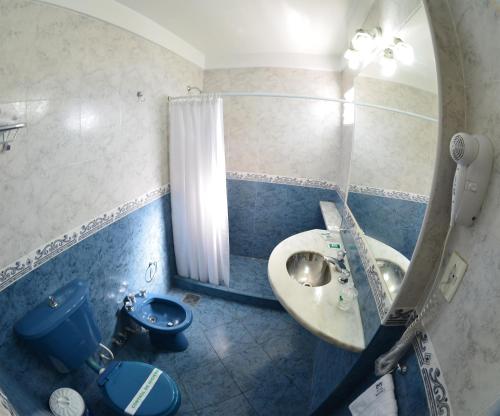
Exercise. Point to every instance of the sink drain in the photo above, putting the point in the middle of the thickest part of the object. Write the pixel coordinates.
(152, 319)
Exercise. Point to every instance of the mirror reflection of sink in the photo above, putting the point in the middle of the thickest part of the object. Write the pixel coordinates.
(392, 274)
(309, 269)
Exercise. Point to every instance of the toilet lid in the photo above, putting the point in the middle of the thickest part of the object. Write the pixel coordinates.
(134, 388)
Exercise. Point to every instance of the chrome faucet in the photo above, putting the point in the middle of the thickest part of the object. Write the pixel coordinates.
(340, 266)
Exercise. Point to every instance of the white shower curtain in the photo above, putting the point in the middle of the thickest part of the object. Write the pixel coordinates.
(198, 189)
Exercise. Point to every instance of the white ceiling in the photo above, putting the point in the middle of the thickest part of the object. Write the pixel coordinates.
(240, 33)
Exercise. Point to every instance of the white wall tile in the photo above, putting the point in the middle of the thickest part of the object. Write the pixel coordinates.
(280, 136)
(89, 145)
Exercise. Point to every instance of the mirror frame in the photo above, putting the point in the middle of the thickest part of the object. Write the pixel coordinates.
(452, 104)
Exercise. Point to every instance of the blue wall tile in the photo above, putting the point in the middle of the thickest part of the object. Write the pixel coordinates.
(409, 390)
(241, 199)
(119, 253)
(393, 221)
(366, 301)
(261, 214)
(331, 365)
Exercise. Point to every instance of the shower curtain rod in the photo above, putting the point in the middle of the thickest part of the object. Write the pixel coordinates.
(309, 97)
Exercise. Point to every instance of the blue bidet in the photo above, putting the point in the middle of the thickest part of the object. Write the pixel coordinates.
(164, 317)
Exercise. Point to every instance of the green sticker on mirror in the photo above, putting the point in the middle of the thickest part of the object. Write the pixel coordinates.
(334, 245)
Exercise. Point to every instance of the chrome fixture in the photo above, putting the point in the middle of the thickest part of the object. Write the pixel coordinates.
(106, 354)
(150, 273)
(191, 88)
(316, 98)
(142, 293)
(344, 277)
(309, 269)
(53, 302)
(340, 266)
(341, 254)
(402, 369)
(9, 133)
(129, 302)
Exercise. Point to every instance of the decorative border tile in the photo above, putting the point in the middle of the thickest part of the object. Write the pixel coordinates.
(282, 180)
(20, 268)
(435, 386)
(399, 317)
(379, 291)
(388, 193)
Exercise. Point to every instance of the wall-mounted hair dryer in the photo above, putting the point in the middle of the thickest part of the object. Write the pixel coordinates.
(473, 155)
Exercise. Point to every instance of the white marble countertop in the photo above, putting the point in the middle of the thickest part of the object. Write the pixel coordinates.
(315, 308)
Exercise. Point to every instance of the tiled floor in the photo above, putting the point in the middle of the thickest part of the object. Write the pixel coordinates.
(249, 276)
(242, 360)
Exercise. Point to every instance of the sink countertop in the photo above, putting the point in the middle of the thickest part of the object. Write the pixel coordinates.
(315, 308)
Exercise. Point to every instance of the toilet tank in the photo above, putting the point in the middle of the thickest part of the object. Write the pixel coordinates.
(62, 328)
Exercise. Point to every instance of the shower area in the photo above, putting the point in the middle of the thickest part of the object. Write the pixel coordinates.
(282, 156)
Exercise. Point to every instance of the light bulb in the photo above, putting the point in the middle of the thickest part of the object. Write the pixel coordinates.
(388, 64)
(354, 59)
(354, 64)
(403, 52)
(363, 41)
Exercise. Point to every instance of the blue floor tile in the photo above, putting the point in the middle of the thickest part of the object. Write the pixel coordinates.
(265, 324)
(187, 406)
(293, 340)
(237, 406)
(209, 385)
(278, 396)
(211, 312)
(230, 338)
(199, 353)
(249, 367)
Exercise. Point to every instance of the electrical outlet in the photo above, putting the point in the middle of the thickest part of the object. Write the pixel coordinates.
(452, 276)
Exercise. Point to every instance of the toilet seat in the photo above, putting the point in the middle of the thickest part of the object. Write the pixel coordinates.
(135, 388)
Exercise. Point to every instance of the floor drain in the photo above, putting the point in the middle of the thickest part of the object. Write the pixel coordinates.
(191, 299)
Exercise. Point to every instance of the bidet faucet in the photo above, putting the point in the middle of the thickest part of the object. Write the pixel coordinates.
(129, 302)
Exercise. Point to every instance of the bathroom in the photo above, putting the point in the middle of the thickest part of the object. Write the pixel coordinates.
(249, 203)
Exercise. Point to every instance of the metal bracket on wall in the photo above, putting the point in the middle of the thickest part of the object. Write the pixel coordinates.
(8, 134)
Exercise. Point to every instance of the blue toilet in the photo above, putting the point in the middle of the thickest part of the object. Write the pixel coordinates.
(63, 331)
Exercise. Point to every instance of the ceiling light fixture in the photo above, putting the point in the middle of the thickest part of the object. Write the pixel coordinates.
(365, 42)
(387, 63)
(354, 59)
(403, 52)
(367, 45)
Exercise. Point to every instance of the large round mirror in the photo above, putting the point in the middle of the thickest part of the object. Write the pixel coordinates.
(393, 131)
